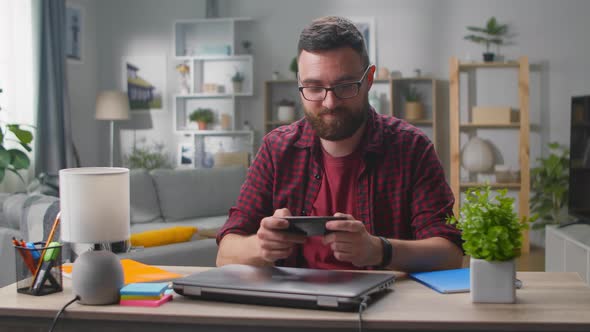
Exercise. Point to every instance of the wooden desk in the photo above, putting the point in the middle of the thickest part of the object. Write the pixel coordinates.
(548, 301)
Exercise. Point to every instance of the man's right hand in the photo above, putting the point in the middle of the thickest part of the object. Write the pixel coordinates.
(271, 239)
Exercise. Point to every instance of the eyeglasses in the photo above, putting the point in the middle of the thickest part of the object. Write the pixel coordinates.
(342, 91)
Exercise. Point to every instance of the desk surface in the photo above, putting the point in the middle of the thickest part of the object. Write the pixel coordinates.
(547, 301)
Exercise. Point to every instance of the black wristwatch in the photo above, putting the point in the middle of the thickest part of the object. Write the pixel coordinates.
(387, 253)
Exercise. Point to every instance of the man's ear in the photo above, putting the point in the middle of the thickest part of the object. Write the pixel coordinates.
(371, 75)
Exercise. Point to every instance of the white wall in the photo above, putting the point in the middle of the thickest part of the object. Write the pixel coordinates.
(411, 34)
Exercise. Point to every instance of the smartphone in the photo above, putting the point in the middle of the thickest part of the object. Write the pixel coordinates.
(309, 225)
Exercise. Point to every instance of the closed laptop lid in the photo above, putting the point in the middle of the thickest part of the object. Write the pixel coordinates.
(283, 282)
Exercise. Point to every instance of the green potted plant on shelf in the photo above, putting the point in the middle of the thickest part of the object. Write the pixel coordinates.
(13, 159)
(414, 109)
(148, 157)
(492, 235)
(203, 117)
(293, 67)
(237, 80)
(491, 33)
(550, 184)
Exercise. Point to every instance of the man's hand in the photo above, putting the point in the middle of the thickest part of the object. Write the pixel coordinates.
(271, 240)
(351, 242)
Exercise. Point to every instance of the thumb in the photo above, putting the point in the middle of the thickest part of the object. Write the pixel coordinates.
(284, 212)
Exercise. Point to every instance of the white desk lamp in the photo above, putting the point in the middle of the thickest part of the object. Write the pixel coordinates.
(95, 209)
(112, 105)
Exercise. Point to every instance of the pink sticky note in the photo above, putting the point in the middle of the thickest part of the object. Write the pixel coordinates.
(147, 303)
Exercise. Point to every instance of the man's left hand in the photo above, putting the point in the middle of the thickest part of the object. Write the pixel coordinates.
(351, 242)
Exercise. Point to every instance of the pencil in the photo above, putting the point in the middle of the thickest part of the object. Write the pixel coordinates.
(49, 240)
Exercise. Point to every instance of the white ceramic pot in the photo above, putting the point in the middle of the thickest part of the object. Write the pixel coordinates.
(477, 156)
(286, 113)
(492, 282)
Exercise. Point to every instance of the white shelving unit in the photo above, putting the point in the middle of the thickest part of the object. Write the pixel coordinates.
(208, 48)
(568, 250)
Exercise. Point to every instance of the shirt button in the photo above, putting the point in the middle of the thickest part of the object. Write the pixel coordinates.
(317, 176)
(303, 212)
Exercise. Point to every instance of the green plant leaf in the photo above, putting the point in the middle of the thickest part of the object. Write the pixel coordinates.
(24, 136)
(4, 158)
(19, 159)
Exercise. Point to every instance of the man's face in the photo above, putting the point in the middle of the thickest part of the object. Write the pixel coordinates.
(335, 118)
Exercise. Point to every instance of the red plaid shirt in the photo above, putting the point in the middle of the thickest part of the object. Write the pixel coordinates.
(402, 191)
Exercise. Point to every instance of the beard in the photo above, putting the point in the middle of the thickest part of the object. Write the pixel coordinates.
(345, 122)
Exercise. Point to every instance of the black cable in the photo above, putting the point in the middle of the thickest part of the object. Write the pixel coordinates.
(61, 312)
(362, 307)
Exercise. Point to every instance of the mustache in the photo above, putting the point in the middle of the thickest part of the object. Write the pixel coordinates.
(325, 111)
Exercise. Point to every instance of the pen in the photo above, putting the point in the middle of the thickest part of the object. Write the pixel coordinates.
(49, 240)
(27, 259)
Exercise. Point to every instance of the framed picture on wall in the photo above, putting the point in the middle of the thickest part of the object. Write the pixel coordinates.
(186, 155)
(366, 26)
(74, 33)
(144, 79)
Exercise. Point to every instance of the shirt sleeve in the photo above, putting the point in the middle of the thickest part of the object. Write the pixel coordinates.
(432, 198)
(255, 198)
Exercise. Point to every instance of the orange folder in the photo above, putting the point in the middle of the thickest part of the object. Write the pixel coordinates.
(134, 271)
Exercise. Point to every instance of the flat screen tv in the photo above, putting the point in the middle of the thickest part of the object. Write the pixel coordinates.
(579, 184)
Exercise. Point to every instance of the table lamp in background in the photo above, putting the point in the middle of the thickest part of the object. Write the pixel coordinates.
(112, 105)
(95, 208)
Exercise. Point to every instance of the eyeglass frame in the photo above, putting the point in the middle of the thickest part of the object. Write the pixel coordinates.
(333, 89)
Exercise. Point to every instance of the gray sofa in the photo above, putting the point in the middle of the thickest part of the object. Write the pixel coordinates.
(159, 199)
(27, 217)
(192, 197)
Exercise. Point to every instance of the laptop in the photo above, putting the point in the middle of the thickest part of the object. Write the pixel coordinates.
(284, 286)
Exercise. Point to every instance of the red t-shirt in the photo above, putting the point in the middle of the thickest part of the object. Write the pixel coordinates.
(338, 192)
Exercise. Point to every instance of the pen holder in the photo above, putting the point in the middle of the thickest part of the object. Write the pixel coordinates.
(38, 269)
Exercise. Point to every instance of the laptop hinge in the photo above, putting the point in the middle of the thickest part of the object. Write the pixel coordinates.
(327, 301)
(192, 290)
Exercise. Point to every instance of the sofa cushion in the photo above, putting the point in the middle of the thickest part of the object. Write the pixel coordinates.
(144, 202)
(195, 193)
(38, 216)
(200, 223)
(3, 220)
(159, 237)
(13, 209)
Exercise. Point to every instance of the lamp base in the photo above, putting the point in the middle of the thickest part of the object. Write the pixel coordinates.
(97, 277)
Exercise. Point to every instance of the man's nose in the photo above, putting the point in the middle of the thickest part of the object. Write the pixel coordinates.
(331, 100)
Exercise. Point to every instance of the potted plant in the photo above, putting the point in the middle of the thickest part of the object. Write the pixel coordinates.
(203, 116)
(414, 109)
(549, 184)
(293, 67)
(12, 159)
(492, 33)
(237, 80)
(286, 111)
(492, 235)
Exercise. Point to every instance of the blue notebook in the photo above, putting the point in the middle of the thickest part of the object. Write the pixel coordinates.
(445, 281)
(145, 289)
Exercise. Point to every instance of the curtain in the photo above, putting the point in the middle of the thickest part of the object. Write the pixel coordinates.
(54, 148)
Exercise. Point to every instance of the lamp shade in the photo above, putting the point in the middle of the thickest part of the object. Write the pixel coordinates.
(112, 105)
(94, 204)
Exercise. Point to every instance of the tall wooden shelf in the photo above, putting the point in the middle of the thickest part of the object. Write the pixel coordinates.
(458, 125)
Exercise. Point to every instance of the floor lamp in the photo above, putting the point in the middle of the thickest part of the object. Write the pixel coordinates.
(112, 105)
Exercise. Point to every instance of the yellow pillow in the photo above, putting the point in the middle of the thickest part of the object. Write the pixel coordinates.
(159, 237)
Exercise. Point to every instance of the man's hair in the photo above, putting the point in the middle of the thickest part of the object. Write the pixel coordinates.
(330, 33)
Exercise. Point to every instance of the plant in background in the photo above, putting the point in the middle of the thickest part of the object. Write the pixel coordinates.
(293, 67)
(204, 115)
(412, 95)
(12, 159)
(148, 157)
(490, 227)
(550, 184)
(238, 76)
(492, 33)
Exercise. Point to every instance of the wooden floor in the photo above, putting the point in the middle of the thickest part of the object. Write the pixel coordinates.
(533, 261)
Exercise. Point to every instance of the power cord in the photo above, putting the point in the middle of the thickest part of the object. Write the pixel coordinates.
(61, 312)
(362, 307)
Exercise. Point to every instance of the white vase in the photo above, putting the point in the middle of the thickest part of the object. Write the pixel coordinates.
(492, 282)
(286, 113)
(477, 156)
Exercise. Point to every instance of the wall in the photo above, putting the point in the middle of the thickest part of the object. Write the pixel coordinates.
(411, 34)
